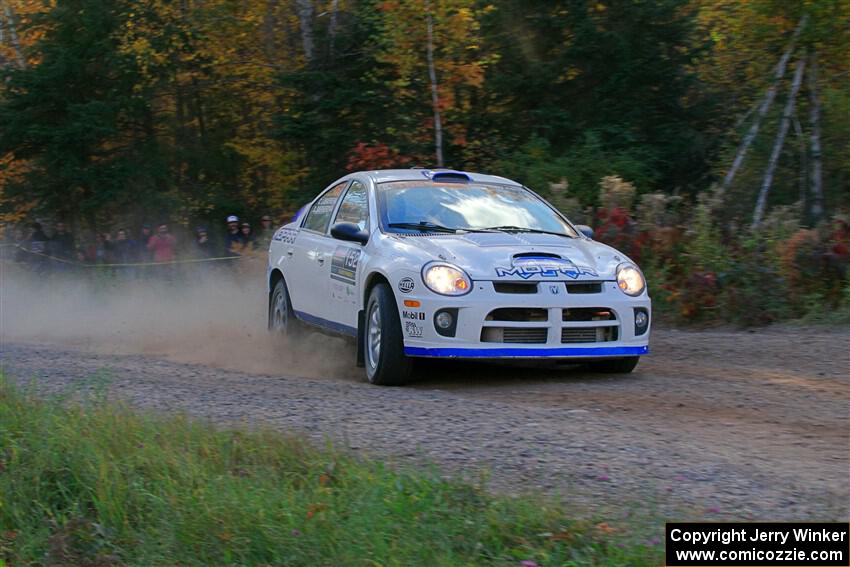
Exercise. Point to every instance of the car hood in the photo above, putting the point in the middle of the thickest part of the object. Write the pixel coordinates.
(515, 256)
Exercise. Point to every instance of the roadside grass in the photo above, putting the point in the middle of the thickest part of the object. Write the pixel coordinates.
(88, 482)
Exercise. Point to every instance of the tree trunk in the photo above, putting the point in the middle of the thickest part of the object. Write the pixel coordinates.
(766, 103)
(778, 143)
(814, 124)
(802, 178)
(11, 31)
(198, 104)
(435, 97)
(746, 116)
(270, 22)
(3, 62)
(332, 26)
(305, 21)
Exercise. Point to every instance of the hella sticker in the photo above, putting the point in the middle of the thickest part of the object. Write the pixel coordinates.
(406, 285)
(545, 267)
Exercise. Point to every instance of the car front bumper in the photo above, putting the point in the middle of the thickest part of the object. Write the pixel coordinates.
(550, 323)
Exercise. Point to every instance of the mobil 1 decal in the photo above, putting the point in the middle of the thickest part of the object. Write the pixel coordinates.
(344, 264)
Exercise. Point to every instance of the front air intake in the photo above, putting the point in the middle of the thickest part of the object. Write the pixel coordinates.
(515, 287)
(541, 255)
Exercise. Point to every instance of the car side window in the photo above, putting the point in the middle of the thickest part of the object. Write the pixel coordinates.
(354, 207)
(320, 213)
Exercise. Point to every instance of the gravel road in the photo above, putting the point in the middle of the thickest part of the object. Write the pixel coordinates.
(713, 424)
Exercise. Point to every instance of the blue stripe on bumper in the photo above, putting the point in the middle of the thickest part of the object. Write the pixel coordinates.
(526, 352)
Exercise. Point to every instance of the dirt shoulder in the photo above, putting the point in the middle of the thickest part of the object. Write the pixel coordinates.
(723, 424)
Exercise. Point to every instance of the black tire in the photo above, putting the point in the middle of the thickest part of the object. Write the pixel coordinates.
(615, 365)
(387, 366)
(281, 316)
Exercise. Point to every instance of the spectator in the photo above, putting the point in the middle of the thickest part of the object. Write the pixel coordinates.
(233, 241)
(19, 240)
(162, 244)
(122, 250)
(265, 234)
(143, 254)
(203, 244)
(37, 241)
(62, 243)
(96, 252)
(248, 242)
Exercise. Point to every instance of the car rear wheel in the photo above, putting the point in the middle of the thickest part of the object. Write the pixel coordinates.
(383, 344)
(281, 317)
(615, 365)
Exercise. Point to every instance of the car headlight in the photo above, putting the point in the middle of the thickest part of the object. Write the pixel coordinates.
(630, 280)
(446, 279)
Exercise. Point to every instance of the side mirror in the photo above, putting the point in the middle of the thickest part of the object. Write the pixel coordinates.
(349, 232)
(585, 230)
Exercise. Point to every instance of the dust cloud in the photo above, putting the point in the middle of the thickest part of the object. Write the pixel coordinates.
(215, 318)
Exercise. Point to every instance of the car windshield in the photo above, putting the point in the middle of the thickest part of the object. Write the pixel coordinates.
(429, 206)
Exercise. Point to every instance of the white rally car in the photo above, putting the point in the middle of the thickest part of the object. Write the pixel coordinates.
(449, 264)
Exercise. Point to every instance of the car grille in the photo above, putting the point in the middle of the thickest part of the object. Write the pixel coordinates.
(518, 314)
(587, 314)
(514, 287)
(533, 287)
(525, 325)
(588, 334)
(537, 335)
(584, 287)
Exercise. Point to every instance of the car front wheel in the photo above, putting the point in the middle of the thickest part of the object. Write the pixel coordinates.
(281, 317)
(383, 344)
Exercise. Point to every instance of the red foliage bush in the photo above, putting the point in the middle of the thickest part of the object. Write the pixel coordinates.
(375, 156)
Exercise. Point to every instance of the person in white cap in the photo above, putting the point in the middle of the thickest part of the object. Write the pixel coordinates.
(233, 241)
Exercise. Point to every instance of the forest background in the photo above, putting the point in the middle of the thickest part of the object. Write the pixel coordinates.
(710, 139)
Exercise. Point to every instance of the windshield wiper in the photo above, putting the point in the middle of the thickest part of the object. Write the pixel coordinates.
(424, 226)
(510, 228)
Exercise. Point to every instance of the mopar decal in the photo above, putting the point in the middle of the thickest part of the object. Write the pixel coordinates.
(545, 267)
(412, 329)
(344, 264)
(286, 235)
(406, 285)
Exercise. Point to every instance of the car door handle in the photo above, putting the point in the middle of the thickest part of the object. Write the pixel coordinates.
(290, 251)
(320, 258)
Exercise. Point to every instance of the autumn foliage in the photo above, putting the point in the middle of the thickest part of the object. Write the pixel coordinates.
(133, 111)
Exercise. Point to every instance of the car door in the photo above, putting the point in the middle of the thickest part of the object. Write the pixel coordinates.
(354, 209)
(309, 271)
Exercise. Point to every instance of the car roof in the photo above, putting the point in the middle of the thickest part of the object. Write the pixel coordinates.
(385, 175)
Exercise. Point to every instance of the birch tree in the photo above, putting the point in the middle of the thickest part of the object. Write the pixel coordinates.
(766, 103)
(435, 96)
(8, 29)
(432, 52)
(814, 133)
(305, 20)
(802, 176)
(332, 26)
(778, 143)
